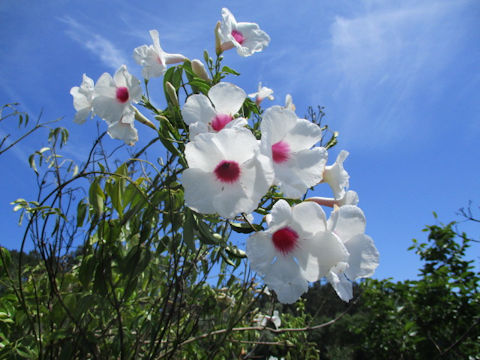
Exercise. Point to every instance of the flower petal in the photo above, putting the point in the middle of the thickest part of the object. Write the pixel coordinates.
(260, 251)
(310, 217)
(336, 176)
(340, 283)
(350, 198)
(198, 108)
(200, 188)
(303, 170)
(280, 215)
(123, 131)
(347, 221)
(276, 123)
(104, 101)
(203, 153)
(237, 144)
(231, 200)
(285, 278)
(255, 39)
(364, 257)
(328, 249)
(257, 177)
(303, 135)
(227, 98)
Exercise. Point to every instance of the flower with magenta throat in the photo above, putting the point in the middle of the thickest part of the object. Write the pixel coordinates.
(226, 173)
(82, 99)
(201, 116)
(296, 248)
(288, 141)
(348, 223)
(246, 37)
(153, 59)
(113, 96)
(262, 93)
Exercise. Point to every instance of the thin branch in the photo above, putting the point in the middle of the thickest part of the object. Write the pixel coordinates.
(459, 340)
(263, 328)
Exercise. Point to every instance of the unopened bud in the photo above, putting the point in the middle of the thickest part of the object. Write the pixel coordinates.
(289, 102)
(141, 118)
(171, 93)
(199, 69)
(218, 41)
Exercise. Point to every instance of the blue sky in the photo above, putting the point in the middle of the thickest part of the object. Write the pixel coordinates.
(399, 80)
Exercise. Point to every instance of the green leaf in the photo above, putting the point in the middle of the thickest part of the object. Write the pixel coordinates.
(200, 85)
(206, 235)
(243, 228)
(235, 252)
(99, 282)
(114, 189)
(81, 213)
(226, 259)
(228, 70)
(31, 161)
(85, 272)
(96, 197)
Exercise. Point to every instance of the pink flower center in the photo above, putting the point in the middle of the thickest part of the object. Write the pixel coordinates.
(122, 94)
(280, 151)
(285, 240)
(227, 171)
(238, 36)
(220, 120)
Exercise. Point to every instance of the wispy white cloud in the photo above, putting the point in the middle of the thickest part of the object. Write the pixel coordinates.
(377, 66)
(111, 55)
(385, 56)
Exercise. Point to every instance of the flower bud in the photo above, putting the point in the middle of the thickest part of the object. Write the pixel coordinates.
(289, 102)
(218, 41)
(199, 69)
(141, 118)
(171, 93)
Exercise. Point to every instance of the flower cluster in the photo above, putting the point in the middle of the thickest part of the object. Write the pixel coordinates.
(232, 165)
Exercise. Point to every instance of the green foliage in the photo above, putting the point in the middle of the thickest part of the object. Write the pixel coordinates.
(122, 268)
(436, 316)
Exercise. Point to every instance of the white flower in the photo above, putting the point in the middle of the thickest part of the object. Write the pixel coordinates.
(246, 37)
(348, 223)
(262, 320)
(153, 59)
(336, 176)
(288, 140)
(262, 93)
(227, 174)
(82, 99)
(113, 96)
(201, 116)
(296, 248)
